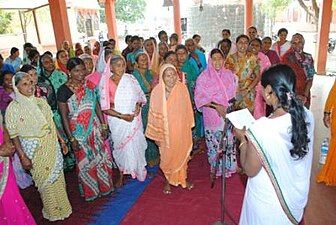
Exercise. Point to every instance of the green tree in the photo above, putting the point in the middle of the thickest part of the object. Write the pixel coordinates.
(127, 10)
(5, 22)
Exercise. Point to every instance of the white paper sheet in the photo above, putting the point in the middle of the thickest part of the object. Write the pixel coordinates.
(241, 118)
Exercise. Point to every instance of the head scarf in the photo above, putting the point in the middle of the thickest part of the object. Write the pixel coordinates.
(29, 111)
(154, 61)
(157, 127)
(104, 84)
(217, 86)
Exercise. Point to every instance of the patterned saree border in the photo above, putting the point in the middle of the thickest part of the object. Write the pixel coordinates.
(272, 177)
(4, 177)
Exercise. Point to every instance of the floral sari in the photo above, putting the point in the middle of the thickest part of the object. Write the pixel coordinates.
(94, 164)
(247, 69)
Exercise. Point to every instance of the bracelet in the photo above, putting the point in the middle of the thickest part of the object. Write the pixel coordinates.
(104, 126)
(71, 139)
(242, 143)
(327, 113)
(119, 115)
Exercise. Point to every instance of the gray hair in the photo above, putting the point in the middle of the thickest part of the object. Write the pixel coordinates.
(18, 77)
(298, 35)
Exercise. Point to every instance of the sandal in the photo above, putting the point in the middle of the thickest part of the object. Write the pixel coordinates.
(166, 189)
(190, 185)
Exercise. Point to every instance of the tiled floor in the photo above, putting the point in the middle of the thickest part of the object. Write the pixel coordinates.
(321, 209)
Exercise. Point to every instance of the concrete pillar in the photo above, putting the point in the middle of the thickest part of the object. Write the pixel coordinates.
(248, 17)
(177, 19)
(111, 19)
(59, 18)
(323, 36)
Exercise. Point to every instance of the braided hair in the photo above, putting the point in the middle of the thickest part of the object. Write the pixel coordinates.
(282, 80)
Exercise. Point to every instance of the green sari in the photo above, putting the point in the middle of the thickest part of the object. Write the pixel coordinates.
(50, 84)
(152, 152)
(191, 77)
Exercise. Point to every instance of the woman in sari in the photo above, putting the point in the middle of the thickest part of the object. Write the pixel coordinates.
(276, 154)
(170, 121)
(328, 172)
(264, 63)
(190, 75)
(13, 209)
(6, 90)
(247, 69)
(282, 45)
(85, 128)
(150, 49)
(266, 49)
(144, 77)
(62, 58)
(214, 88)
(121, 98)
(30, 124)
(50, 80)
(163, 48)
(225, 46)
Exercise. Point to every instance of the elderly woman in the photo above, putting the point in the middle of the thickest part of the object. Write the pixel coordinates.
(85, 128)
(30, 124)
(214, 88)
(246, 67)
(276, 154)
(13, 209)
(121, 98)
(170, 121)
(328, 172)
(303, 65)
(144, 77)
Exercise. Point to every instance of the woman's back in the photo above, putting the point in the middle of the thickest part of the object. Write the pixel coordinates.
(281, 175)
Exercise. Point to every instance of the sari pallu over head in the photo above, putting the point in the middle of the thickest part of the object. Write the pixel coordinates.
(30, 121)
(217, 86)
(157, 126)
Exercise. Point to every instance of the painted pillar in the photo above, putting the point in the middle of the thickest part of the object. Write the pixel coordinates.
(323, 36)
(177, 19)
(59, 18)
(110, 17)
(248, 18)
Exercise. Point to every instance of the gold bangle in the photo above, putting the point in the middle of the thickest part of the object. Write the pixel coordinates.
(242, 143)
(72, 139)
(104, 126)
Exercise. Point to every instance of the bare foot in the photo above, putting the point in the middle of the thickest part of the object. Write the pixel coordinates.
(119, 182)
(190, 185)
(166, 189)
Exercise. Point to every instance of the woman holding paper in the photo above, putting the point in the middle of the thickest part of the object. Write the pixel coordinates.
(276, 153)
(214, 88)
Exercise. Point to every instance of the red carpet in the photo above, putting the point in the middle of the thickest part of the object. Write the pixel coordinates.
(183, 207)
(83, 211)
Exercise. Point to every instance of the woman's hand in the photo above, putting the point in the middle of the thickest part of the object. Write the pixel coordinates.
(240, 134)
(75, 144)
(105, 133)
(7, 149)
(221, 110)
(64, 148)
(137, 110)
(326, 120)
(26, 162)
(127, 117)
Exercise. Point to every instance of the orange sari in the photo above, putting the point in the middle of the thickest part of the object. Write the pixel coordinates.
(328, 172)
(169, 124)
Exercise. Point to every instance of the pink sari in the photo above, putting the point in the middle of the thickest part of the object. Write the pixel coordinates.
(13, 210)
(259, 104)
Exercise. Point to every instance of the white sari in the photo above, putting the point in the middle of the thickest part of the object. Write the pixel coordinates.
(128, 138)
(278, 194)
(281, 49)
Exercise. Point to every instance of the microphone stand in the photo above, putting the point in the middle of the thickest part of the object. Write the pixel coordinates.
(224, 146)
